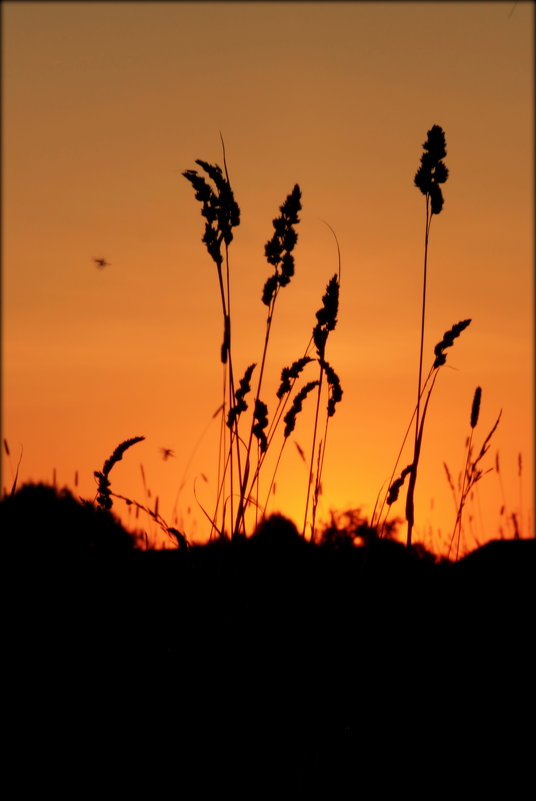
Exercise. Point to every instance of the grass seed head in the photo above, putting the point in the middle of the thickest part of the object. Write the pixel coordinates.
(278, 250)
(326, 316)
(104, 496)
(291, 373)
(335, 389)
(395, 487)
(297, 404)
(219, 207)
(243, 388)
(260, 423)
(447, 341)
(432, 171)
(475, 408)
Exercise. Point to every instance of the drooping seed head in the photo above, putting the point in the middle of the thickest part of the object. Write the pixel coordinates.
(447, 341)
(394, 489)
(291, 373)
(334, 383)
(260, 417)
(290, 417)
(243, 389)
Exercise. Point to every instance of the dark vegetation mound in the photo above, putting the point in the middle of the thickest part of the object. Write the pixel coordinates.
(38, 519)
(263, 667)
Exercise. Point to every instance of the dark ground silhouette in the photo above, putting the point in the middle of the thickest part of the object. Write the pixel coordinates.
(262, 668)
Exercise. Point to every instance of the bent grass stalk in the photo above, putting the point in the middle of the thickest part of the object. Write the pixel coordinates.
(472, 474)
(173, 533)
(16, 475)
(104, 494)
(440, 359)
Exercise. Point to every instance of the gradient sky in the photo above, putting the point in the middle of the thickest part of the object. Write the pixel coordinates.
(104, 106)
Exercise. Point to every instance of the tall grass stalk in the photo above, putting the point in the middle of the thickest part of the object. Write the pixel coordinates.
(279, 253)
(431, 173)
(222, 214)
(327, 318)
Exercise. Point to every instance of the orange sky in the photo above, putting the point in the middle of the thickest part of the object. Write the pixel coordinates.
(105, 104)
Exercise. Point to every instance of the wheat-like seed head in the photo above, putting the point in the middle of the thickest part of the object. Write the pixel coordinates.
(290, 417)
(240, 405)
(104, 499)
(334, 383)
(447, 341)
(278, 250)
(260, 423)
(219, 208)
(395, 487)
(432, 171)
(326, 316)
(117, 455)
(475, 408)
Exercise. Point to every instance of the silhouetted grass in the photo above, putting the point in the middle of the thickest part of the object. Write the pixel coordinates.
(240, 462)
(104, 496)
(251, 426)
(238, 457)
(431, 173)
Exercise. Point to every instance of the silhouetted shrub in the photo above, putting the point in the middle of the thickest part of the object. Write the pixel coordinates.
(40, 519)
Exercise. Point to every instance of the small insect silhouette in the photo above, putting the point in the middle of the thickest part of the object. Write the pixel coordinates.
(166, 453)
(101, 263)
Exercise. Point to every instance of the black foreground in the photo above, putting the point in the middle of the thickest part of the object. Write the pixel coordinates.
(270, 668)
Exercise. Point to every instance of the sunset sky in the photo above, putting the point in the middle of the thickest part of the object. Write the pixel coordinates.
(106, 104)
